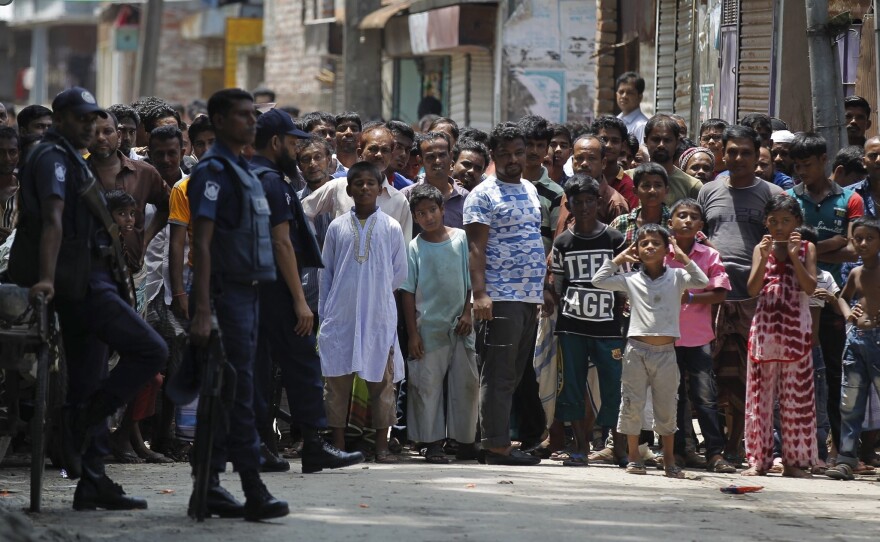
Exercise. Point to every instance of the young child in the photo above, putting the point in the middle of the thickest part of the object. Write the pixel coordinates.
(693, 350)
(122, 207)
(826, 292)
(649, 362)
(860, 365)
(437, 308)
(589, 333)
(364, 262)
(780, 363)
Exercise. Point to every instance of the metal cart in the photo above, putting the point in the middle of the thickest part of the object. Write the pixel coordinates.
(30, 329)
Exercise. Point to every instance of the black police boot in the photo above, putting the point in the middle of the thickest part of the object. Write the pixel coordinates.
(102, 492)
(318, 454)
(270, 462)
(220, 503)
(77, 421)
(260, 504)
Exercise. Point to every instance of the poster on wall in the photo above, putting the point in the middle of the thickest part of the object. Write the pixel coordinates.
(548, 52)
(707, 101)
(542, 92)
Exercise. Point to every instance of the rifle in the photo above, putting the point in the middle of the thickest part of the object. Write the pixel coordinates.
(93, 197)
(217, 386)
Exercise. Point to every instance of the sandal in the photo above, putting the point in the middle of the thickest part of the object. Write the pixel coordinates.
(863, 469)
(386, 457)
(675, 472)
(721, 466)
(635, 468)
(840, 471)
(576, 460)
(434, 454)
(605, 455)
(561, 455)
(127, 457)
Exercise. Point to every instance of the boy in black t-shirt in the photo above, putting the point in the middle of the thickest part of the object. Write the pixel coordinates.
(589, 332)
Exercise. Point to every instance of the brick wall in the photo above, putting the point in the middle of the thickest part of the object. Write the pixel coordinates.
(291, 63)
(606, 36)
(180, 63)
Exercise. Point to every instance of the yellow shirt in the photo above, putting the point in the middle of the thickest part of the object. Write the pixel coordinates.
(178, 210)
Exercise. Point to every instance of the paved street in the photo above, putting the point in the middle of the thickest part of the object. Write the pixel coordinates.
(414, 501)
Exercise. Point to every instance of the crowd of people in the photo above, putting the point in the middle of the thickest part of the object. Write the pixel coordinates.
(539, 292)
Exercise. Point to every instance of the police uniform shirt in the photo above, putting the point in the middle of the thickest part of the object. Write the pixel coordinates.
(55, 174)
(212, 193)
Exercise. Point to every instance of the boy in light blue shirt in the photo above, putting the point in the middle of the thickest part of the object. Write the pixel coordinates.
(437, 310)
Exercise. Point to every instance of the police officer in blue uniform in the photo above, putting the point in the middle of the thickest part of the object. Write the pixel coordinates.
(287, 333)
(60, 251)
(232, 252)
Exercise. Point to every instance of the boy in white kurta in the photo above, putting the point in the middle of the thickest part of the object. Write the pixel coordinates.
(365, 261)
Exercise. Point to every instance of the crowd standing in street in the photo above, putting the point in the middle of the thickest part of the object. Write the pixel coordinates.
(409, 288)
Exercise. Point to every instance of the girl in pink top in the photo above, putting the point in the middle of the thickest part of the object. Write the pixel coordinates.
(780, 361)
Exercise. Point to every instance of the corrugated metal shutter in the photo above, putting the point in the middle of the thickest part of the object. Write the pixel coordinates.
(684, 57)
(458, 88)
(664, 78)
(754, 69)
(675, 57)
(482, 91)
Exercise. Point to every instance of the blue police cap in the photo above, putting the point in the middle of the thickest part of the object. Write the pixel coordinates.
(78, 100)
(276, 122)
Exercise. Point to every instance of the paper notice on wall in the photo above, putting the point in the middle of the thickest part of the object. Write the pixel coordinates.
(580, 90)
(542, 92)
(548, 55)
(577, 28)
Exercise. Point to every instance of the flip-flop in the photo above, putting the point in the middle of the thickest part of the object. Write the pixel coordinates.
(576, 460)
(156, 458)
(636, 468)
(863, 469)
(386, 457)
(675, 472)
(721, 466)
(127, 457)
(841, 471)
(434, 454)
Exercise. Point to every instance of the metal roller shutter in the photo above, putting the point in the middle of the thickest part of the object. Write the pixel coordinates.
(482, 94)
(458, 88)
(755, 66)
(684, 58)
(664, 78)
(675, 57)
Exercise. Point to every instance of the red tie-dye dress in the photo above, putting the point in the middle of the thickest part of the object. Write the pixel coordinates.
(781, 367)
(781, 329)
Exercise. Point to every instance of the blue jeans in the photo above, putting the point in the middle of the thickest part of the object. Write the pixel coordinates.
(823, 423)
(696, 362)
(861, 367)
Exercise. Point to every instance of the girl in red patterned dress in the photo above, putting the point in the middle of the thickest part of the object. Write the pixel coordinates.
(780, 365)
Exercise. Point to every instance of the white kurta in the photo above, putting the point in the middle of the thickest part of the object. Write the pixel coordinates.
(332, 198)
(363, 266)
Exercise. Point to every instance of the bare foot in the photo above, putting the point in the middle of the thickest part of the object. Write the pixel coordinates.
(753, 471)
(795, 472)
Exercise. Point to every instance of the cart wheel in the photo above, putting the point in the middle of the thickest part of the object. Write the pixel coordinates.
(38, 440)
